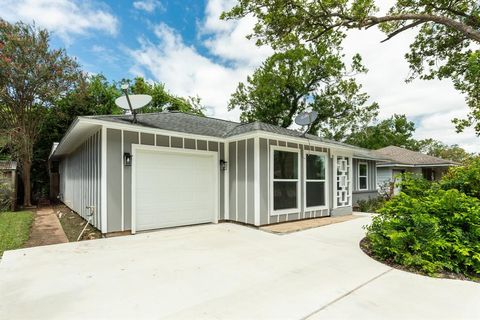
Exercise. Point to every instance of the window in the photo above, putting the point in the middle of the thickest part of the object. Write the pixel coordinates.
(362, 176)
(285, 180)
(315, 186)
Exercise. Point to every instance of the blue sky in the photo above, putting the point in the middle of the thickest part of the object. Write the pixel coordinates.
(184, 45)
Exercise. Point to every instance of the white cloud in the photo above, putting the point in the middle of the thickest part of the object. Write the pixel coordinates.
(64, 17)
(185, 71)
(147, 5)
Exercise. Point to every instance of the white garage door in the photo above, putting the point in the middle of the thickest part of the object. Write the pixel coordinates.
(174, 188)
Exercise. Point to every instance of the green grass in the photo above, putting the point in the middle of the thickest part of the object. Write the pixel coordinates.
(14, 229)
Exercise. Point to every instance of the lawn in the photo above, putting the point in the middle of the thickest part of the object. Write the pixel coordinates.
(14, 229)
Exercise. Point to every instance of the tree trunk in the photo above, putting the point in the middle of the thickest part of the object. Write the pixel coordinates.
(27, 190)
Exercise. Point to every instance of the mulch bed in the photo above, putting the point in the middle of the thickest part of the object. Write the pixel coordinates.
(73, 224)
(364, 245)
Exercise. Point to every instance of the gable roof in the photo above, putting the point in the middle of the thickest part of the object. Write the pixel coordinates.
(207, 126)
(399, 156)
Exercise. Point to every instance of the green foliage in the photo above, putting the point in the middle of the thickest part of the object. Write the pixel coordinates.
(6, 197)
(445, 45)
(306, 77)
(413, 185)
(394, 131)
(371, 205)
(465, 178)
(14, 229)
(439, 149)
(436, 232)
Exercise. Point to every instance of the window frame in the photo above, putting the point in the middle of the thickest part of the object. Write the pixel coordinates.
(272, 180)
(359, 176)
(305, 180)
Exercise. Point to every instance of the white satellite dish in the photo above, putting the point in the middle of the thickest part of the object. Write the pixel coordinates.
(132, 102)
(306, 119)
(136, 100)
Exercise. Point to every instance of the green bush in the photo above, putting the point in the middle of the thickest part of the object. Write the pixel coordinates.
(436, 232)
(413, 184)
(464, 178)
(6, 197)
(370, 205)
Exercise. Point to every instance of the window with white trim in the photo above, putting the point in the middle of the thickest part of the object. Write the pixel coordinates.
(285, 180)
(315, 185)
(362, 176)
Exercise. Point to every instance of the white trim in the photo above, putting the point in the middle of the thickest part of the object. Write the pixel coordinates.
(359, 176)
(214, 155)
(122, 180)
(401, 165)
(104, 181)
(272, 180)
(334, 182)
(305, 180)
(256, 179)
(226, 178)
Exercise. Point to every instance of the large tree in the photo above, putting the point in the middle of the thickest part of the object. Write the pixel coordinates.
(32, 77)
(306, 78)
(394, 131)
(446, 43)
(449, 152)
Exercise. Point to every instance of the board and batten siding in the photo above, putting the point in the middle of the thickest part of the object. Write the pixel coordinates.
(119, 199)
(80, 179)
(264, 157)
(371, 191)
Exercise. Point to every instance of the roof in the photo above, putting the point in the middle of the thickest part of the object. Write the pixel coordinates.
(207, 126)
(399, 156)
(8, 165)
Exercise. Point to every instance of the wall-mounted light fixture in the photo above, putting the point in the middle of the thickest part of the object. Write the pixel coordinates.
(127, 159)
(223, 165)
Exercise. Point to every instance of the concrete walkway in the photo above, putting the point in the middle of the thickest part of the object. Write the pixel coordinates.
(224, 271)
(46, 229)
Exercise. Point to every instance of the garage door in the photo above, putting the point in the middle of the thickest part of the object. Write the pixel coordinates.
(174, 188)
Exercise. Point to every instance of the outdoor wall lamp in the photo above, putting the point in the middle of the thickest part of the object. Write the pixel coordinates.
(127, 159)
(223, 165)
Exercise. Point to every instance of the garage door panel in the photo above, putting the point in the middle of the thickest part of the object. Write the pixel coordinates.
(174, 189)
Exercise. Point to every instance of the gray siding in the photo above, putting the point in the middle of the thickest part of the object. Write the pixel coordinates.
(129, 138)
(80, 179)
(371, 192)
(114, 180)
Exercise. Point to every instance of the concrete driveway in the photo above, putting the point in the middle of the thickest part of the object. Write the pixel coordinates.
(223, 271)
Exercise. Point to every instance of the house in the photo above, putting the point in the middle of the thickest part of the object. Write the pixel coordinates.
(402, 160)
(171, 169)
(8, 177)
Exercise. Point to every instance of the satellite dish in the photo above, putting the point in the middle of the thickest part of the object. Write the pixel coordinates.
(132, 102)
(136, 100)
(306, 119)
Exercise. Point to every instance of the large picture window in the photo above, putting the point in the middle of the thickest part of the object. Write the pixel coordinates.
(285, 180)
(315, 185)
(362, 176)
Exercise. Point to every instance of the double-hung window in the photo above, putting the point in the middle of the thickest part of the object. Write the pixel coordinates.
(362, 176)
(285, 181)
(315, 181)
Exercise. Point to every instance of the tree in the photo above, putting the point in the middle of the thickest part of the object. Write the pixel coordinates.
(439, 149)
(32, 77)
(445, 46)
(301, 78)
(394, 131)
(162, 99)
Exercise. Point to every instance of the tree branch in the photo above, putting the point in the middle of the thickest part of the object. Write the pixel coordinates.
(404, 28)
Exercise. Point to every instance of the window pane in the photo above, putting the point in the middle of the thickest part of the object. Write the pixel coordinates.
(363, 169)
(363, 182)
(285, 165)
(315, 194)
(284, 195)
(315, 167)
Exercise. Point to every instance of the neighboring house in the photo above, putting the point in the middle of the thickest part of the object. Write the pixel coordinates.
(402, 160)
(173, 169)
(8, 176)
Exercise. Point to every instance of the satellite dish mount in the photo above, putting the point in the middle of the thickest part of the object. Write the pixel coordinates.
(306, 119)
(132, 102)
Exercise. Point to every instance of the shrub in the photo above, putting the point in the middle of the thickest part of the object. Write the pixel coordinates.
(413, 184)
(438, 232)
(370, 205)
(464, 178)
(6, 197)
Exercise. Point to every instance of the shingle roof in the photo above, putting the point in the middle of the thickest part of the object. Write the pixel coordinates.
(8, 165)
(404, 156)
(193, 124)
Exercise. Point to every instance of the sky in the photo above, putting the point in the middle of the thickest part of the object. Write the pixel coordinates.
(185, 45)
